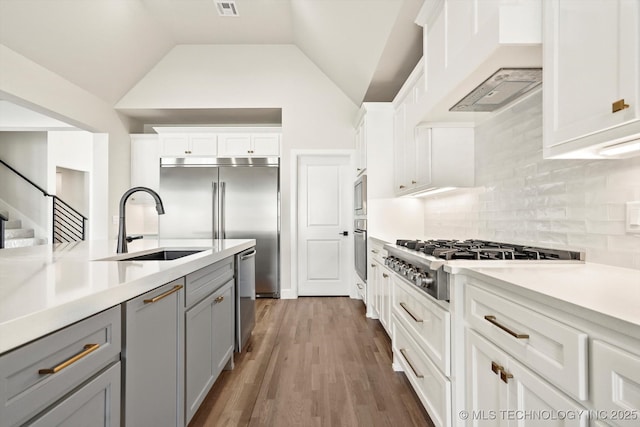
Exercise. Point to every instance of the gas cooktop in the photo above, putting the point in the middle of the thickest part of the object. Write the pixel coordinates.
(485, 250)
(421, 261)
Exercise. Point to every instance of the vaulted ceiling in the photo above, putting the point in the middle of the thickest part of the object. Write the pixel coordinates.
(367, 47)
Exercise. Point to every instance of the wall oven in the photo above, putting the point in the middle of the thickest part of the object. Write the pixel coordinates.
(360, 247)
(360, 196)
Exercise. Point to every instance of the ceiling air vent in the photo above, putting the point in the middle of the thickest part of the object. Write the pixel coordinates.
(227, 8)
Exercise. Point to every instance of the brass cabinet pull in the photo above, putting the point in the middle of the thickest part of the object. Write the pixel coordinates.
(374, 251)
(385, 275)
(414, 182)
(88, 348)
(402, 186)
(373, 265)
(493, 321)
(413, 316)
(176, 288)
(187, 152)
(496, 368)
(505, 376)
(618, 105)
(416, 373)
(219, 299)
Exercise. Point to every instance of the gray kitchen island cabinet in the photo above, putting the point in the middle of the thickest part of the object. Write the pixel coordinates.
(152, 357)
(209, 330)
(70, 377)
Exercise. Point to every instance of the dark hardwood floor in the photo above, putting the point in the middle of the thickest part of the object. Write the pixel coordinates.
(313, 361)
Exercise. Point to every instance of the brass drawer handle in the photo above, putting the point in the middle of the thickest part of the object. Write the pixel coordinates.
(493, 321)
(496, 368)
(374, 251)
(618, 106)
(88, 348)
(164, 295)
(416, 373)
(385, 275)
(402, 187)
(373, 266)
(505, 376)
(413, 316)
(414, 182)
(219, 299)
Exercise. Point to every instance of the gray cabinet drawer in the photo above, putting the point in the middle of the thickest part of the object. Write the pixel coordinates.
(202, 282)
(28, 383)
(96, 404)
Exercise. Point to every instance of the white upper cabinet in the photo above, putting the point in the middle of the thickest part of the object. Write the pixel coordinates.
(591, 76)
(374, 147)
(466, 41)
(248, 145)
(184, 145)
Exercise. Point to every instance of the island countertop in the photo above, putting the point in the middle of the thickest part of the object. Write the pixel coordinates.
(48, 287)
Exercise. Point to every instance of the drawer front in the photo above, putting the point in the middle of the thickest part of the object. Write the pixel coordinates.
(433, 388)
(75, 353)
(377, 253)
(615, 384)
(554, 350)
(95, 404)
(429, 324)
(202, 282)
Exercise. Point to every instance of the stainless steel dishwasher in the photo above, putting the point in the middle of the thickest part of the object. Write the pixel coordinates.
(246, 296)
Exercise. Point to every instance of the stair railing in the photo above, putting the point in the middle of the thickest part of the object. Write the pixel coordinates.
(2, 221)
(69, 225)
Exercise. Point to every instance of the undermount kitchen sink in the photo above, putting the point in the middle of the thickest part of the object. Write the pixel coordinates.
(159, 255)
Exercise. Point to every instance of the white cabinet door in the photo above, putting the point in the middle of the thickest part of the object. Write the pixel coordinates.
(203, 145)
(361, 147)
(399, 136)
(152, 361)
(591, 53)
(95, 404)
(265, 145)
(186, 144)
(384, 286)
(423, 157)
(373, 283)
(486, 395)
(231, 145)
(615, 383)
(501, 391)
(174, 145)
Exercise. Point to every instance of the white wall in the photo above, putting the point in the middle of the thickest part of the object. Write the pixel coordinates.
(577, 204)
(28, 84)
(316, 114)
(27, 153)
(83, 151)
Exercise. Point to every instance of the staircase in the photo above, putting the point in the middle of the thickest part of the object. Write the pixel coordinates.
(16, 237)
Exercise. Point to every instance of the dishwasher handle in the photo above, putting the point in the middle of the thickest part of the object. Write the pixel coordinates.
(248, 255)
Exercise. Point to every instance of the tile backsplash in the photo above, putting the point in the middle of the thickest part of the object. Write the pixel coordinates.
(521, 198)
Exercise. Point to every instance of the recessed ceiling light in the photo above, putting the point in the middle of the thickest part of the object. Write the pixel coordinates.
(227, 8)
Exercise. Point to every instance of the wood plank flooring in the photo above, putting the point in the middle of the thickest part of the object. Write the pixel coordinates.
(314, 361)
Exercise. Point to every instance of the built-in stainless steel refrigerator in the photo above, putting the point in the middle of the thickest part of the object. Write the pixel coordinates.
(208, 198)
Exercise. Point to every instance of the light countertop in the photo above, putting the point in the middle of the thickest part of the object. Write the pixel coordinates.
(45, 288)
(607, 290)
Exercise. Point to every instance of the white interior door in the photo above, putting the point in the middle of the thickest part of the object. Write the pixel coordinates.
(325, 205)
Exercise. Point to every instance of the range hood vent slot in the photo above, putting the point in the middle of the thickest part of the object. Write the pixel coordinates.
(503, 87)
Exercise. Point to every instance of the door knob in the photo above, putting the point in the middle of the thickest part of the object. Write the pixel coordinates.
(344, 233)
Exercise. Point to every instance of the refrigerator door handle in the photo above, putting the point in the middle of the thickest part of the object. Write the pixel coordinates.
(223, 231)
(213, 210)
